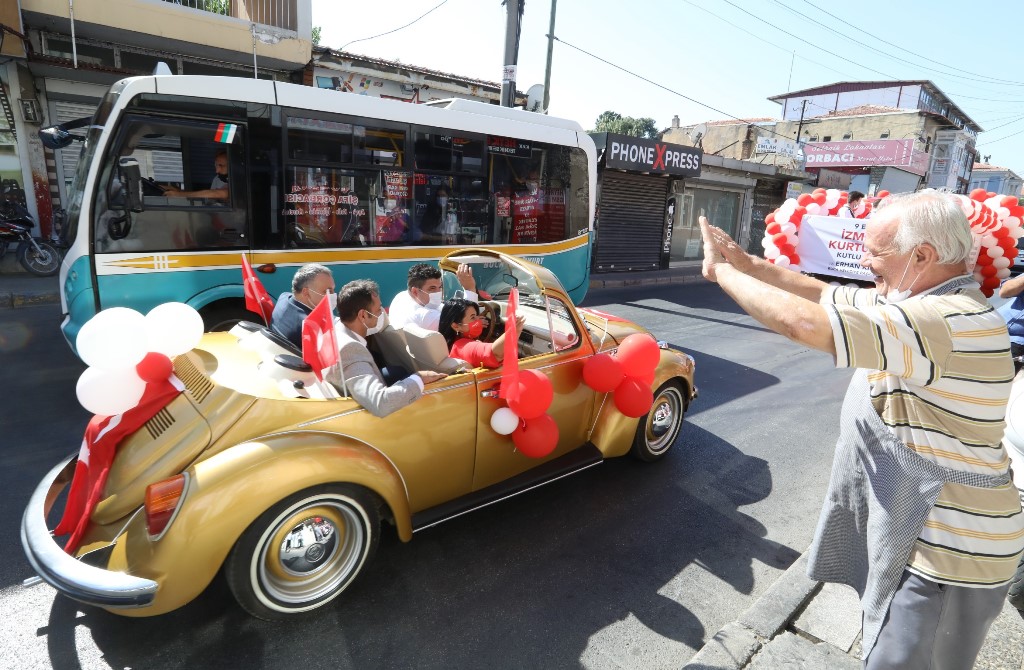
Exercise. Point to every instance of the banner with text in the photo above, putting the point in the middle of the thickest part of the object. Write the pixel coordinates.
(829, 245)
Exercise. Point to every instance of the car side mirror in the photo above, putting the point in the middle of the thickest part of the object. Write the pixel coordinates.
(131, 182)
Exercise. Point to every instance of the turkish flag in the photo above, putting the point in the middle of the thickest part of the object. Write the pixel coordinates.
(319, 345)
(96, 455)
(510, 361)
(257, 299)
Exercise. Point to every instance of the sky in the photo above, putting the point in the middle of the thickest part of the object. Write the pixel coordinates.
(709, 59)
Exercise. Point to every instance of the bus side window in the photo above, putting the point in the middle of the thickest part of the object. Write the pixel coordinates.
(188, 201)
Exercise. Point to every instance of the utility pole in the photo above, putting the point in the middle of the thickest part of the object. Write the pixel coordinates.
(800, 126)
(508, 76)
(547, 67)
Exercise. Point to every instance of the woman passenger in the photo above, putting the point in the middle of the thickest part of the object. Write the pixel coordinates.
(462, 327)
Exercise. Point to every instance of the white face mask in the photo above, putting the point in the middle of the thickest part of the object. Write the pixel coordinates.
(442, 201)
(332, 299)
(435, 299)
(382, 323)
(895, 295)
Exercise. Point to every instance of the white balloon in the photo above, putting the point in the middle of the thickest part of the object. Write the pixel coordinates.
(173, 328)
(766, 241)
(978, 277)
(109, 392)
(994, 252)
(813, 208)
(788, 228)
(114, 338)
(1003, 212)
(782, 261)
(771, 252)
(504, 421)
(988, 240)
(1000, 263)
(1003, 273)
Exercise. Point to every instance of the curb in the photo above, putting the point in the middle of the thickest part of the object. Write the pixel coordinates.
(647, 281)
(735, 644)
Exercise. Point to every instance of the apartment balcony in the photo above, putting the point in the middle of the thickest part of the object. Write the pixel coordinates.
(228, 31)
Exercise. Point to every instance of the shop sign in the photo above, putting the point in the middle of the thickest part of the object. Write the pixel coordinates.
(833, 179)
(859, 153)
(779, 147)
(643, 155)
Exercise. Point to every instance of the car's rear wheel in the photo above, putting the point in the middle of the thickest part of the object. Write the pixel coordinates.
(303, 552)
(1016, 594)
(659, 428)
(223, 315)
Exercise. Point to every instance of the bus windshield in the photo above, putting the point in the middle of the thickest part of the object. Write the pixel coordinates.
(183, 181)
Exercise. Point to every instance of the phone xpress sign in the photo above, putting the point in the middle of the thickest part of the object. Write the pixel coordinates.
(640, 155)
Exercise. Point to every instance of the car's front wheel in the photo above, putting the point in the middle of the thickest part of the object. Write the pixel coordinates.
(1016, 593)
(303, 552)
(659, 428)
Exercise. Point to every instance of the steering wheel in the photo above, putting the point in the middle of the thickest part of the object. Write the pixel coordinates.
(489, 312)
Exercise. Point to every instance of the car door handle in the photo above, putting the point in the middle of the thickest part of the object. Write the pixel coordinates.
(491, 392)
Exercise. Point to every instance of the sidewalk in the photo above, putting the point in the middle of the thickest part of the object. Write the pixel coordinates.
(801, 623)
(686, 272)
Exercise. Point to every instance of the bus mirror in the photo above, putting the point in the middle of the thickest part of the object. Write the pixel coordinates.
(55, 137)
(131, 182)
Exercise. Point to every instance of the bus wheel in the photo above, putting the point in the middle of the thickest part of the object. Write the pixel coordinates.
(223, 315)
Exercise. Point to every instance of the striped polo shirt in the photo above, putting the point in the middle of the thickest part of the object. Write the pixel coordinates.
(940, 374)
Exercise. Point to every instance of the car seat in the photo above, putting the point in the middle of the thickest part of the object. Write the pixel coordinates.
(429, 351)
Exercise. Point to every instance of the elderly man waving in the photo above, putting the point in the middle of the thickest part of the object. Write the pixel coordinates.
(920, 517)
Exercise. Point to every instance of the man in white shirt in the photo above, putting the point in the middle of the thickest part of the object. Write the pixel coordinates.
(853, 207)
(362, 314)
(421, 303)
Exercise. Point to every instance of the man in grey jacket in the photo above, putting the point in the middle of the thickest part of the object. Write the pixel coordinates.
(362, 315)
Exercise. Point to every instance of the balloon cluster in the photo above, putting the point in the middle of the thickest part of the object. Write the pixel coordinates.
(997, 221)
(782, 226)
(124, 350)
(533, 432)
(629, 374)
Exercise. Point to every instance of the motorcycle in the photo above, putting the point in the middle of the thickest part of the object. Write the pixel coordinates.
(39, 257)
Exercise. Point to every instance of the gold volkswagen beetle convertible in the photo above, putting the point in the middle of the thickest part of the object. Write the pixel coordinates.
(281, 481)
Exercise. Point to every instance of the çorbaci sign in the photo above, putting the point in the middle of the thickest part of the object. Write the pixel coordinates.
(642, 155)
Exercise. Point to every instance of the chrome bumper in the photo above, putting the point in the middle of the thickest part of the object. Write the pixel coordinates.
(74, 579)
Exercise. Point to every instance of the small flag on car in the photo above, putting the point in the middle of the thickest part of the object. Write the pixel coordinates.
(225, 133)
(257, 300)
(319, 345)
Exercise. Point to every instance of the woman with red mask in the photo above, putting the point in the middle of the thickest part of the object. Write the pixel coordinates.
(462, 326)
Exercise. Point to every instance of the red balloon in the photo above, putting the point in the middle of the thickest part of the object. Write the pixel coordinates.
(535, 395)
(796, 218)
(988, 271)
(638, 354)
(1000, 232)
(991, 282)
(536, 437)
(882, 194)
(154, 367)
(787, 250)
(988, 293)
(820, 198)
(984, 258)
(978, 194)
(804, 199)
(773, 228)
(633, 397)
(1007, 243)
(1016, 211)
(778, 240)
(1007, 201)
(647, 379)
(801, 212)
(817, 191)
(768, 219)
(991, 194)
(602, 373)
(794, 259)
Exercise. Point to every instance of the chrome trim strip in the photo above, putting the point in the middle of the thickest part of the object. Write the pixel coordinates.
(506, 497)
(76, 580)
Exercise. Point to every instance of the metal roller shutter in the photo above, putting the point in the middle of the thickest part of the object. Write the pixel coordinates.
(68, 158)
(632, 222)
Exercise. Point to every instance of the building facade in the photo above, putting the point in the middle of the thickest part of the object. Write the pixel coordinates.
(995, 179)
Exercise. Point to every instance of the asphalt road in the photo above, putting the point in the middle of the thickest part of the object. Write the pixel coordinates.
(627, 565)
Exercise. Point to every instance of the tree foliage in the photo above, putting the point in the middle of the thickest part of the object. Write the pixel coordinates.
(613, 122)
(316, 36)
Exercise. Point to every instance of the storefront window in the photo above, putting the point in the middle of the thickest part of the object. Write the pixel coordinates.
(722, 208)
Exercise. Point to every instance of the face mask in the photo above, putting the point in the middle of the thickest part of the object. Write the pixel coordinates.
(382, 322)
(435, 299)
(895, 295)
(332, 299)
(474, 329)
(222, 177)
(442, 201)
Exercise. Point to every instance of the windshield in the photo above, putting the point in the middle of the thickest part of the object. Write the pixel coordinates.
(495, 278)
(85, 159)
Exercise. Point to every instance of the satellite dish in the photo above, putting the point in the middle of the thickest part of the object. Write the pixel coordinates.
(535, 98)
(697, 133)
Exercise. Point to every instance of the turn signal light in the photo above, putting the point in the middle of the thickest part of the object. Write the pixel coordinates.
(162, 500)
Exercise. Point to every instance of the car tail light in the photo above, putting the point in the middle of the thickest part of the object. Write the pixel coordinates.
(162, 499)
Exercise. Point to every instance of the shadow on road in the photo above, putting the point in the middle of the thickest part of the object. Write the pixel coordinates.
(529, 583)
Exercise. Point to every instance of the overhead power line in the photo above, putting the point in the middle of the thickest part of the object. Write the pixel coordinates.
(363, 39)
